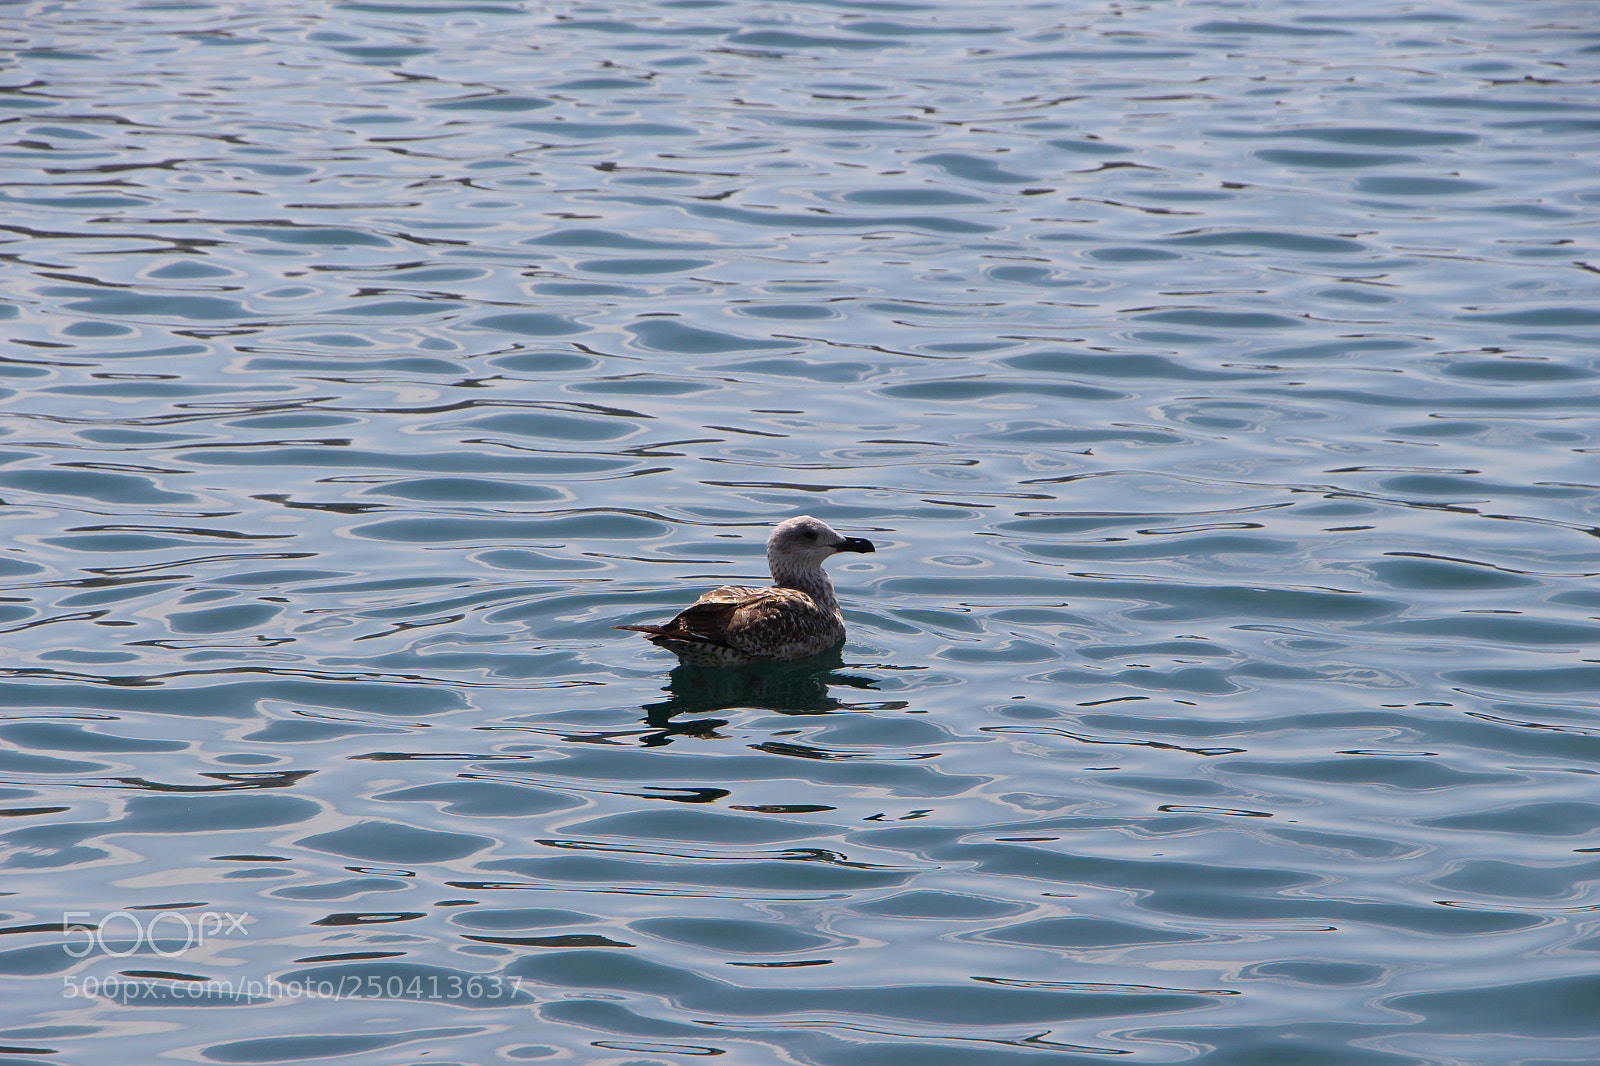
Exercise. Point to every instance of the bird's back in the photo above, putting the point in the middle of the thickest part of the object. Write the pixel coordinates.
(765, 623)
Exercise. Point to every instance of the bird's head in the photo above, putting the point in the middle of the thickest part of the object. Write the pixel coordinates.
(804, 542)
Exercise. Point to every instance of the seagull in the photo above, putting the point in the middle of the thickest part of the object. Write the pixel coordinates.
(792, 618)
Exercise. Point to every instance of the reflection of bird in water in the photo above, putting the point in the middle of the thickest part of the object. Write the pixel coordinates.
(795, 617)
(800, 687)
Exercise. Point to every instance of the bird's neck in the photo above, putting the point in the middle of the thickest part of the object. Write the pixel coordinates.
(813, 581)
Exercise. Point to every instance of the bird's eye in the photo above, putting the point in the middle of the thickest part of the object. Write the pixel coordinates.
(809, 534)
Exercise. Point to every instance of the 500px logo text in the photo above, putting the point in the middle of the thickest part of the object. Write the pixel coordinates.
(166, 933)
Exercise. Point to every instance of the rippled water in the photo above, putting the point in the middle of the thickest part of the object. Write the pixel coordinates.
(1216, 380)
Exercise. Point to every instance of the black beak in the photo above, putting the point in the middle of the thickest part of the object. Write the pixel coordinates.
(854, 544)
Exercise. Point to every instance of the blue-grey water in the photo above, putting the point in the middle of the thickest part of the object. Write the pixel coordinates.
(1216, 379)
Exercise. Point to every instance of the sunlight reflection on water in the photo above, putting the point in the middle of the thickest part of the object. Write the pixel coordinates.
(1216, 382)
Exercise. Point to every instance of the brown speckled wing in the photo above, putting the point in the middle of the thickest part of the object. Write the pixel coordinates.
(705, 620)
(731, 594)
(743, 623)
(780, 623)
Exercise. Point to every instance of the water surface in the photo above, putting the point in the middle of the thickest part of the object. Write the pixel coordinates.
(1216, 380)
